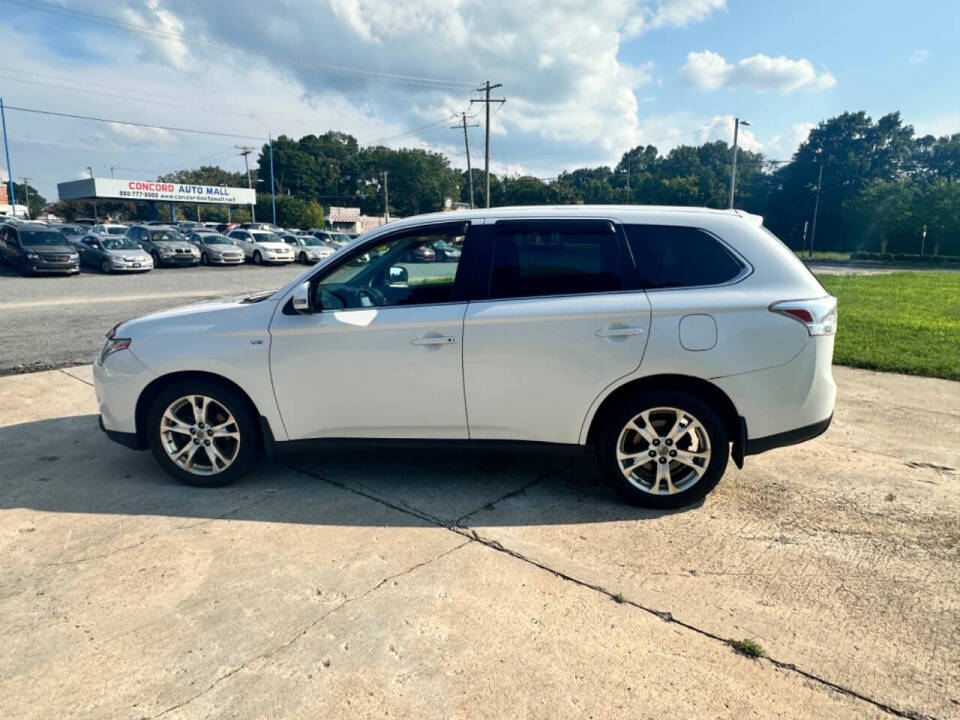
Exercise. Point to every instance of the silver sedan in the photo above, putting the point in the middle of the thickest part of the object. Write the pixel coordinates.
(216, 249)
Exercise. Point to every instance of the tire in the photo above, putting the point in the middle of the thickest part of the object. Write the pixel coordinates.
(642, 479)
(303, 258)
(206, 472)
(156, 258)
(105, 267)
(257, 258)
(204, 259)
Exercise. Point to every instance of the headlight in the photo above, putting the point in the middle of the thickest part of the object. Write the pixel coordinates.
(194, 251)
(74, 256)
(32, 256)
(112, 345)
(165, 252)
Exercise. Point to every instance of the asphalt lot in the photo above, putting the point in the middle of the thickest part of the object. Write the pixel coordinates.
(480, 584)
(56, 321)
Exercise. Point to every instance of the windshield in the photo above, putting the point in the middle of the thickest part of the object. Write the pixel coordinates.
(71, 229)
(41, 237)
(118, 243)
(265, 237)
(342, 237)
(116, 230)
(311, 241)
(164, 236)
(215, 240)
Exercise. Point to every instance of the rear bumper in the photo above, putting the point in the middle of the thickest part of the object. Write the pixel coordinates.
(790, 437)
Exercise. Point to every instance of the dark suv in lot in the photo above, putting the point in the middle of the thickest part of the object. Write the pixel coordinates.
(165, 245)
(33, 247)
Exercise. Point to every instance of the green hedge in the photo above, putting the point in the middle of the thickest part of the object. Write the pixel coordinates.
(907, 258)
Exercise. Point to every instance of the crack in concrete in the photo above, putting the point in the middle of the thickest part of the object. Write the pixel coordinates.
(514, 493)
(664, 615)
(69, 375)
(312, 624)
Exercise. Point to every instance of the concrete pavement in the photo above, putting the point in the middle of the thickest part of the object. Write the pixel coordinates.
(483, 583)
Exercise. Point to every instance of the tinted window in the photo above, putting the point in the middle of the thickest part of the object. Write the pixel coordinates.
(673, 257)
(532, 258)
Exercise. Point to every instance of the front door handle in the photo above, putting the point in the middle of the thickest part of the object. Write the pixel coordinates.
(434, 340)
(620, 332)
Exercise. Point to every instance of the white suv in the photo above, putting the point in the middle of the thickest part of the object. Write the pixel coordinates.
(262, 246)
(668, 339)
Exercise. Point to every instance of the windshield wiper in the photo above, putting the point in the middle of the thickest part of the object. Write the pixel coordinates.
(257, 297)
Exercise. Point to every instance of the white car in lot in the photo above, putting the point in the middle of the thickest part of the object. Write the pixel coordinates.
(668, 339)
(262, 246)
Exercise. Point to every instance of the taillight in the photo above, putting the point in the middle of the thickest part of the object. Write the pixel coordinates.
(818, 315)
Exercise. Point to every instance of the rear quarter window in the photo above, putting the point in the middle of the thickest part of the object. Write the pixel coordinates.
(676, 257)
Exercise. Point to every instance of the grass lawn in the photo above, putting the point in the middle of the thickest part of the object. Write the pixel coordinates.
(905, 322)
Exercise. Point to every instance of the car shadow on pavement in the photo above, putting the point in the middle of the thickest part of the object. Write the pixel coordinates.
(67, 465)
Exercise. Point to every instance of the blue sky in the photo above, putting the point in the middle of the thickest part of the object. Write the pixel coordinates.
(584, 81)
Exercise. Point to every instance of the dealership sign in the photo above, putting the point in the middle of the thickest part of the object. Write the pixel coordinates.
(109, 188)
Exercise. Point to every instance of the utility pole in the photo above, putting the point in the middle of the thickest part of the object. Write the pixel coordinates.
(486, 100)
(229, 219)
(245, 150)
(466, 145)
(737, 122)
(6, 151)
(112, 168)
(26, 190)
(923, 237)
(273, 194)
(90, 170)
(804, 246)
(386, 197)
(816, 208)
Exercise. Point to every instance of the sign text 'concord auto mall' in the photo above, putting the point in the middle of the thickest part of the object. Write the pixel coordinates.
(109, 188)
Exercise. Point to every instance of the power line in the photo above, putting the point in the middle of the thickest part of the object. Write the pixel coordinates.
(134, 124)
(36, 5)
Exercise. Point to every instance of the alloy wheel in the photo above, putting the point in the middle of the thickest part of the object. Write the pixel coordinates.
(200, 435)
(663, 451)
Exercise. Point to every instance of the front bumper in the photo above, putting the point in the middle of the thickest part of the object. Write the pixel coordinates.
(220, 260)
(118, 383)
(130, 440)
(46, 266)
(180, 260)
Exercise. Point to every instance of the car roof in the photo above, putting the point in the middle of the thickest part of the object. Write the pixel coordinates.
(638, 213)
(30, 225)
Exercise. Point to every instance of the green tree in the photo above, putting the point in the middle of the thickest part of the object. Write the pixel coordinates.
(25, 191)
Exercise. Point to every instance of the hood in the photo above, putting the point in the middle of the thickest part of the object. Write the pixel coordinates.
(175, 245)
(219, 249)
(272, 245)
(200, 316)
(50, 249)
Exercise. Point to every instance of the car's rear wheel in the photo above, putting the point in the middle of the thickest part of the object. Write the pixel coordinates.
(105, 267)
(663, 449)
(257, 258)
(202, 433)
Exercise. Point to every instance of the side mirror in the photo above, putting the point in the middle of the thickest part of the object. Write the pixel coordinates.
(301, 299)
(398, 275)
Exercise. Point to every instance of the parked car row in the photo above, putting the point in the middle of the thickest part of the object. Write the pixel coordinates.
(46, 247)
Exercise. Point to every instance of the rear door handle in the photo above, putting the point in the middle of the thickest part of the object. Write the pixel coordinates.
(620, 332)
(434, 340)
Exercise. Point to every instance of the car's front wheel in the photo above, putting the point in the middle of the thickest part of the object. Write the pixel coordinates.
(105, 267)
(257, 258)
(202, 433)
(204, 259)
(156, 258)
(663, 449)
(303, 258)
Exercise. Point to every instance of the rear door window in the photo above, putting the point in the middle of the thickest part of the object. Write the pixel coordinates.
(534, 258)
(676, 257)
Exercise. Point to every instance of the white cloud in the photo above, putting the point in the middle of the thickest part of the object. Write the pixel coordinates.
(784, 145)
(672, 13)
(708, 70)
(918, 57)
